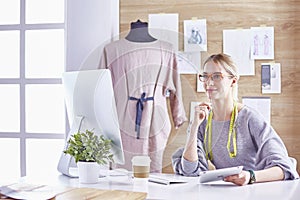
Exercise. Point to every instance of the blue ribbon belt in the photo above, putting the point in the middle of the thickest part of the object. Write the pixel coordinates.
(139, 111)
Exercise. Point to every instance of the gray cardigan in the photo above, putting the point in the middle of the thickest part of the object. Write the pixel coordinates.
(258, 147)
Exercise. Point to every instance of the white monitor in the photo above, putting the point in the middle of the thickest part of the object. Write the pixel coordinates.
(90, 104)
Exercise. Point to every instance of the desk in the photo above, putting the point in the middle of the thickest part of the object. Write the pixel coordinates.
(191, 190)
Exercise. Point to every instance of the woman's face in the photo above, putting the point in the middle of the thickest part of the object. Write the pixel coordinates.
(218, 89)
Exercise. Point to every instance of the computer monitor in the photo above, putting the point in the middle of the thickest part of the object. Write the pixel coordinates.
(90, 104)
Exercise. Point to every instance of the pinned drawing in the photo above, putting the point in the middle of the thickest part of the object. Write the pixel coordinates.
(195, 35)
(262, 43)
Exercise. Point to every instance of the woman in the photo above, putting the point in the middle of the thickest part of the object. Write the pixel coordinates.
(228, 133)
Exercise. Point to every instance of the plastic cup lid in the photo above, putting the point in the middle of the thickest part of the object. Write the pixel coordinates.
(141, 160)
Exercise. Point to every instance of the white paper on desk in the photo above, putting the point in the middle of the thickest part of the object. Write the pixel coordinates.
(260, 104)
(165, 180)
(237, 44)
(28, 191)
(164, 27)
(270, 78)
(188, 62)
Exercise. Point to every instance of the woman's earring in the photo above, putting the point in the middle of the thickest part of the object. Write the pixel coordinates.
(233, 82)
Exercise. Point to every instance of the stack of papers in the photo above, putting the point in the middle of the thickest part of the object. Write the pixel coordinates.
(165, 180)
(27, 191)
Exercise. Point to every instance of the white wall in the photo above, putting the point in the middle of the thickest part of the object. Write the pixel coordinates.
(90, 25)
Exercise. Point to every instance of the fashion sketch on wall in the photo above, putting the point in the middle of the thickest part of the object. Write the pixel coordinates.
(195, 35)
(262, 43)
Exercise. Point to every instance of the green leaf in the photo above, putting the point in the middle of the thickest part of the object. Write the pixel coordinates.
(87, 146)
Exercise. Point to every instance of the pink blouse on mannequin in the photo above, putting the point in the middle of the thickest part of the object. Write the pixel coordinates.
(142, 74)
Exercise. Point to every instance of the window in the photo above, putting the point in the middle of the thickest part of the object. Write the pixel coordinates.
(32, 113)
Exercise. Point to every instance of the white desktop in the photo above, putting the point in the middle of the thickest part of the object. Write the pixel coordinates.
(90, 104)
(191, 189)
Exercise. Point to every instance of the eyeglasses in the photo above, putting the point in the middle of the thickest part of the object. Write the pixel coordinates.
(217, 76)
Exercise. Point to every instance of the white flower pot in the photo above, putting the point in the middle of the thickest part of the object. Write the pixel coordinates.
(88, 172)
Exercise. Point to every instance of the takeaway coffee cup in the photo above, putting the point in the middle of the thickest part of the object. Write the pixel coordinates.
(141, 166)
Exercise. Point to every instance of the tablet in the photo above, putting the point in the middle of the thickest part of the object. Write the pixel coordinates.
(218, 174)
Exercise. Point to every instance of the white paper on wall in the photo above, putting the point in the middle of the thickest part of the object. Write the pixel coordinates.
(188, 62)
(164, 27)
(270, 78)
(262, 42)
(195, 35)
(237, 44)
(200, 86)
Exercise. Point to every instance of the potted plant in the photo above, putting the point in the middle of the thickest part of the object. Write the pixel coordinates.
(89, 151)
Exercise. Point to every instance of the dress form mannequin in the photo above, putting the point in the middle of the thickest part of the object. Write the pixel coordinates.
(149, 67)
(139, 32)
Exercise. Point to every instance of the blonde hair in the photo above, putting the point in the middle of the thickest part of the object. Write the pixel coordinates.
(227, 63)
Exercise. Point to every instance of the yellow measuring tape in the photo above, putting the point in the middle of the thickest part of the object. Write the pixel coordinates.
(231, 134)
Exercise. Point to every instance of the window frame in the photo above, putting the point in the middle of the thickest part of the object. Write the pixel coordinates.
(22, 81)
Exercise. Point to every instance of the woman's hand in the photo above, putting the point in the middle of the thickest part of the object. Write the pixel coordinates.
(201, 112)
(239, 179)
(190, 150)
(270, 174)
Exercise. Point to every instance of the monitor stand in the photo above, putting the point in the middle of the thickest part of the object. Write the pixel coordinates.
(66, 164)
